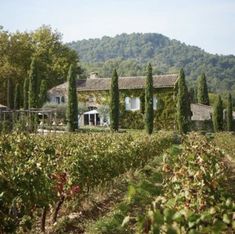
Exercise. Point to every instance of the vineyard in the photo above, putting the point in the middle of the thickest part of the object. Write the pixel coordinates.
(39, 173)
(158, 184)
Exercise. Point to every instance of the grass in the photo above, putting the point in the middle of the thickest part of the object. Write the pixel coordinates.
(145, 184)
(226, 142)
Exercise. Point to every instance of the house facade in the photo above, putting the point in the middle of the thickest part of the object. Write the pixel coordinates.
(93, 93)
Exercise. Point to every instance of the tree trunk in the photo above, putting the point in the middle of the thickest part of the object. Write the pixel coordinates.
(58, 206)
(43, 218)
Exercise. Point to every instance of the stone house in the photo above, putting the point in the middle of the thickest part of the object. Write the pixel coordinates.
(93, 93)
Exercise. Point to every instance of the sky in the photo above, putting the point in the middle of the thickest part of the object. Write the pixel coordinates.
(208, 24)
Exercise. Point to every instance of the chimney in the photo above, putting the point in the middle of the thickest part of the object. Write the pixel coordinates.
(94, 75)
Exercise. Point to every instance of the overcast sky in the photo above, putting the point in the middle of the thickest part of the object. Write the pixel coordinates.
(209, 24)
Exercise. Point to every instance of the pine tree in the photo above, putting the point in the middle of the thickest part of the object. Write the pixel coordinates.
(10, 100)
(72, 108)
(33, 80)
(218, 115)
(114, 102)
(202, 90)
(183, 105)
(43, 93)
(26, 93)
(230, 113)
(17, 97)
(149, 101)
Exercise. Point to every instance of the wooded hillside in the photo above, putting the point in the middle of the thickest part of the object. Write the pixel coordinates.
(130, 53)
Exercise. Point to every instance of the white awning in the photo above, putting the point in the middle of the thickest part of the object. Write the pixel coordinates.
(91, 112)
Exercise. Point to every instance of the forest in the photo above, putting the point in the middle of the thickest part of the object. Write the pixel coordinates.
(131, 52)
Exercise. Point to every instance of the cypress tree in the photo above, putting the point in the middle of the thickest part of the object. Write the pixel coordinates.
(183, 105)
(142, 102)
(230, 113)
(17, 97)
(218, 115)
(33, 79)
(72, 108)
(43, 93)
(149, 101)
(10, 100)
(26, 93)
(114, 102)
(202, 90)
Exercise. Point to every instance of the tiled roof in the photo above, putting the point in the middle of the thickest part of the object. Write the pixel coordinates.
(138, 82)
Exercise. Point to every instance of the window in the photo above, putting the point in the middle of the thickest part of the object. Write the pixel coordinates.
(132, 103)
(57, 100)
(154, 102)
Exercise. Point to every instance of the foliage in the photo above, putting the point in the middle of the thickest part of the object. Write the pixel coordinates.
(226, 142)
(10, 96)
(149, 101)
(130, 53)
(45, 45)
(33, 85)
(164, 116)
(42, 171)
(202, 91)
(42, 93)
(230, 113)
(114, 102)
(26, 93)
(104, 112)
(193, 199)
(17, 97)
(72, 107)
(218, 115)
(183, 105)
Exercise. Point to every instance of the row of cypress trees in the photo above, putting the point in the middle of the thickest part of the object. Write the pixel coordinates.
(183, 115)
(33, 96)
(218, 114)
(217, 117)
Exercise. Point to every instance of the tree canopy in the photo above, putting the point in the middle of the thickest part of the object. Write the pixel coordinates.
(45, 45)
(130, 53)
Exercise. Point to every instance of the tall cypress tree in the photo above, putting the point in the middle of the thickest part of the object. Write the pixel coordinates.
(202, 90)
(218, 115)
(149, 101)
(33, 80)
(10, 100)
(43, 93)
(230, 113)
(26, 93)
(114, 102)
(183, 105)
(72, 108)
(17, 97)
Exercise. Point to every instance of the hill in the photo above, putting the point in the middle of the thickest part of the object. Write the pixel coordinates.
(131, 52)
